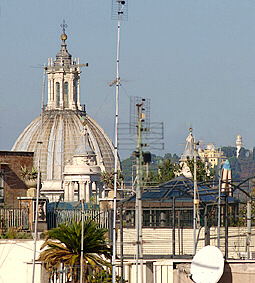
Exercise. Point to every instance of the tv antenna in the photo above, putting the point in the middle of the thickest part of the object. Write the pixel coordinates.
(119, 12)
(38, 174)
(152, 133)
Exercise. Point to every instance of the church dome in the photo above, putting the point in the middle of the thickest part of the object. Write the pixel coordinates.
(63, 122)
(61, 136)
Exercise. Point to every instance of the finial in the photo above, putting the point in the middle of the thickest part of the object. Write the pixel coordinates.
(64, 36)
(190, 127)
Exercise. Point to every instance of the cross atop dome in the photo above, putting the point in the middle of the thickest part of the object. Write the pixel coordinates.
(64, 26)
(64, 36)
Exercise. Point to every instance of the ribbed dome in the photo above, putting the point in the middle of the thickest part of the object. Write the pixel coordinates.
(84, 148)
(63, 128)
(61, 135)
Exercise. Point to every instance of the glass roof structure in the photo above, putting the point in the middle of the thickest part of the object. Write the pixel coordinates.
(181, 188)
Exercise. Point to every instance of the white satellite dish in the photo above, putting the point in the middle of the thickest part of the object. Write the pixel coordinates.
(207, 265)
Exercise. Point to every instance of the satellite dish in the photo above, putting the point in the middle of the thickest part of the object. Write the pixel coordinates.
(207, 265)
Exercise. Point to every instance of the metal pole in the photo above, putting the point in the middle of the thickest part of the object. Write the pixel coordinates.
(116, 156)
(140, 212)
(248, 240)
(173, 230)
(179, 227)
(196, 201)
(38, 176)
(82, 240)
(121, 244)
(219, 196)
(137, 196)
(226, 225)
(206, 227)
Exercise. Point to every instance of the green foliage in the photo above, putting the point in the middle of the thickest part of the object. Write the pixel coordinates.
(242, 167)
(108, 178)
(93, 204)
(166, 171)
(28, 174)
(103, 276)
(64, 245)
(203, 172)
(126, 166)
(156, 161)
(14, 233)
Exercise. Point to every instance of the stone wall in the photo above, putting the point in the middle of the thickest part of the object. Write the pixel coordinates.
(10, 164)
(16, 258)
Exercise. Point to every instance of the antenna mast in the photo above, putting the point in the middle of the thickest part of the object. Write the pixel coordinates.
(119, 9)
(38, 175)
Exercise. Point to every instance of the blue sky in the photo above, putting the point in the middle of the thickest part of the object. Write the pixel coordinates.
(195, 59)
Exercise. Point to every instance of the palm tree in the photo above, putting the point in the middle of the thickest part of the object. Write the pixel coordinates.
(108, 179)
(64, 245)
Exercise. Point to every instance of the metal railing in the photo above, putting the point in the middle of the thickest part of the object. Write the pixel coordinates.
(154, 273)
(91, 274)
(15, 218)
(57, 216)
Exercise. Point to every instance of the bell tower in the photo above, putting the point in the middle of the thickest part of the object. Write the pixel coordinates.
(64, 79)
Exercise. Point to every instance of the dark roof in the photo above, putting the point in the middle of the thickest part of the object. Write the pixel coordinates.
(182, 189)
(67, 205)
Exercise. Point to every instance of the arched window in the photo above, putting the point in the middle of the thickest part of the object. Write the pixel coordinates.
(57, 94)
(66, 96)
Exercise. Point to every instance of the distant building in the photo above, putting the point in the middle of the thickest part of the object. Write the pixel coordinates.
(239, 144)
(187, 154)
(210, 156)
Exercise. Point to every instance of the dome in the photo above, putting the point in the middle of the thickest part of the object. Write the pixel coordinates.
(63, 123)
(61, 137)
(210, 146)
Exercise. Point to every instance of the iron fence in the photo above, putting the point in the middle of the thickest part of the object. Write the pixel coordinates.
(15, 218)
(91, 274)
(57, 216)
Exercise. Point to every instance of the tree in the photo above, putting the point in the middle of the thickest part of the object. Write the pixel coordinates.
(166, 171)
(64, 245)
(203, 172)
(108, 178)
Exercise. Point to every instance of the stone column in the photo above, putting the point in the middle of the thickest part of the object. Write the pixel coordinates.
(71, 192)
(66, 191)
(61, 94)
(88, 192)
(71, 92)
(53, 94)
(49, 92)
(52, 90)
(76, 192)
(82, 190)
(78, 93)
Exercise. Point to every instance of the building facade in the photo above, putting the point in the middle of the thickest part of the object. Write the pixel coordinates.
(11, 182)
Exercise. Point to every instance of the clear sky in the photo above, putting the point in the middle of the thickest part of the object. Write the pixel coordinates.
(195, 59)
